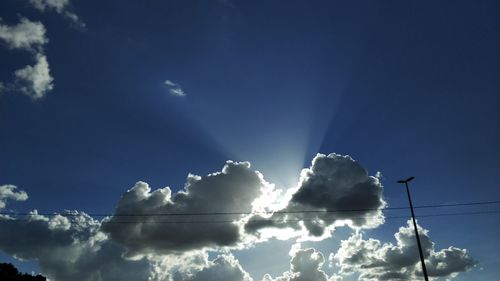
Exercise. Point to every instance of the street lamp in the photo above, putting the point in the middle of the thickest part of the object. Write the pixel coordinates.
(424, 269)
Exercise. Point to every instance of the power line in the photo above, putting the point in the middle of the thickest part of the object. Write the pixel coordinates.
(283, 221)
(458, 204)
(299, 220)
(262, 212)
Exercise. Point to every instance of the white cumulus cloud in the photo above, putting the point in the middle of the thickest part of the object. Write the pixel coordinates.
(32, 80)
(35, 80)
(224, 267)
(28, 35)
(305, 265)
(232, 189)
(400, 261)
(9, 191)
(157, 235)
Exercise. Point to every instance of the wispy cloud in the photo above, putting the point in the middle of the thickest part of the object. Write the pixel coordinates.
(61, 7)
(174, 88)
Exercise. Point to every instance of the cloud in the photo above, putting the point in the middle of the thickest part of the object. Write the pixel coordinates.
(174, 89)
(401, 261)
(60, 6)
(332, 185)
(69, 247)
(73, 247)
(139, 242)
(305, 265)
(27, 35)
(42, 5)
(35, 80)
(224, 267)
(233, 189)
(9, 191)
(332, 182)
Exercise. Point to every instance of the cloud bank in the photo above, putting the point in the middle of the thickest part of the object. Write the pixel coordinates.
(158, 235)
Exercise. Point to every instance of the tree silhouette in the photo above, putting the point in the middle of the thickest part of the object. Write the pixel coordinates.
(8, 272)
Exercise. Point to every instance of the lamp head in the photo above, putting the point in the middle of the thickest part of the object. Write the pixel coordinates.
(406, 180)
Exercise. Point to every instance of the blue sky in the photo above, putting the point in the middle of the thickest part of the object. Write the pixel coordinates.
(403, 88)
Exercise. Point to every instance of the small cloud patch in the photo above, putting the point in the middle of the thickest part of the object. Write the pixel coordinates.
(62, 7)
(9, 191)
(174, 89)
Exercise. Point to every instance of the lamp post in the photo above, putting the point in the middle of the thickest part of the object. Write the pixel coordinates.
(424, 269)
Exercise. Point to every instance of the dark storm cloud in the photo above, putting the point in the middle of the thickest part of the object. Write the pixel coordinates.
(233, 189)
(401, 261)
(333, 184)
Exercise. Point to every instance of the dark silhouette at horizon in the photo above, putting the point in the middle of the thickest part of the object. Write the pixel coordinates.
(9, 272)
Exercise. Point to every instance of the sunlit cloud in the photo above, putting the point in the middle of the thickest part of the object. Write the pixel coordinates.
(305, 264)
(331, 184)
(189, 235)
(35, 80)
(9, 191)
(27, 35)
(400, 261)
